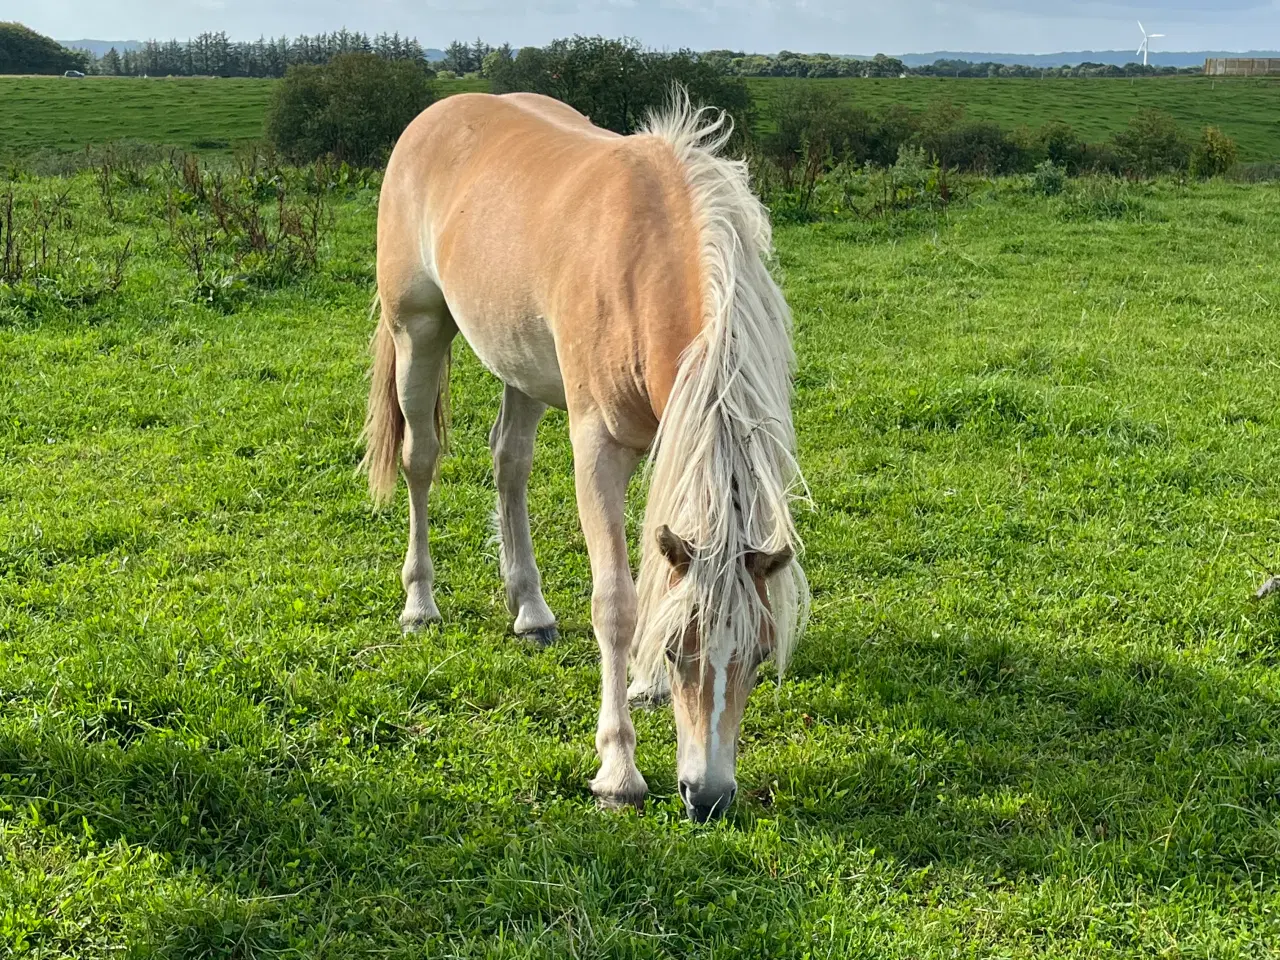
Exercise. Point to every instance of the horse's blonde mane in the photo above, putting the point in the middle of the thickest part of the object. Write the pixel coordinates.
(723, 468)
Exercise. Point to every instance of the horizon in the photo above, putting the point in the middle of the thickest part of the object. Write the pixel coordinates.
(1033, 26)
(746, 52)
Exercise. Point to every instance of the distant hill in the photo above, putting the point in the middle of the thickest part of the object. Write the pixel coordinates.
(22, 50)
(99, 47)
(1119, 58)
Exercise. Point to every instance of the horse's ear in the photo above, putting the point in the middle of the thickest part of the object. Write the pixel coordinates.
(677, 551)
(765, 565)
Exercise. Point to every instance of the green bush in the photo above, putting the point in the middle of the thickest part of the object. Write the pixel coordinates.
(1063, 146)
(617, 83)
(813, 129)
(1153, 144)
(1049, 179)
(352, 108)
(1213, 155)
(973, 147)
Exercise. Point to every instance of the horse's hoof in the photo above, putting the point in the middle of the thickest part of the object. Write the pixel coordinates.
(410, 625)
(650, 700)
(618, 792)
(542, 636)
(622, 801)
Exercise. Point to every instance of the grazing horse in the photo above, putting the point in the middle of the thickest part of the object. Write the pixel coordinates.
(625, 280)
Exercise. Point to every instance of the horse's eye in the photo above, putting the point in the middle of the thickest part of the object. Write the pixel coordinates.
(670, 654)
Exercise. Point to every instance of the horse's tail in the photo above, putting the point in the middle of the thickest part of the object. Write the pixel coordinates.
(384, 422)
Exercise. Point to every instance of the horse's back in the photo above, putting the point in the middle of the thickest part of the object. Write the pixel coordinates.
(543, 229)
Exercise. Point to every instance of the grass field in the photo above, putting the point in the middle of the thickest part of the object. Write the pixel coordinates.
(53, 113)
(1247, 110)
(59, 114)
(1037, 714)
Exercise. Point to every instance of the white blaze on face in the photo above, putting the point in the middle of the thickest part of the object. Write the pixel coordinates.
(720, 668)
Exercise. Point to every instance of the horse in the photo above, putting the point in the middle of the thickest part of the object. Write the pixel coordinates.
(626, 280)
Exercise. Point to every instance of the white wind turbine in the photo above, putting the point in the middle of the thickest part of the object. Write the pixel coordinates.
(1146, 42)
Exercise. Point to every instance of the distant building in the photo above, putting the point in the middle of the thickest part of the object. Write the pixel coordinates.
(1242, 67)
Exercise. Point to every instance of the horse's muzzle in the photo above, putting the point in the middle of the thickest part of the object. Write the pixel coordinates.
(703, 804)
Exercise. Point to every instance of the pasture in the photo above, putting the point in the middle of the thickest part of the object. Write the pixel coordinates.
(1248, 110)
(215, 114)
(1036, 714)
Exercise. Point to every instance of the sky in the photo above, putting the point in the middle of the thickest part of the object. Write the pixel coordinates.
(833, 26)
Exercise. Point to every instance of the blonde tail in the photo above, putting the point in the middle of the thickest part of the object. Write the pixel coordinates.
(384, 422)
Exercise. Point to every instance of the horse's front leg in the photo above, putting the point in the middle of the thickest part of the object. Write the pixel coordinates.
(602, 468)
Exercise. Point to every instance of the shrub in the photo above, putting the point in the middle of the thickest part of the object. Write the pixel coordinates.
(814, 129)
(352, 108)
(1213, 155)
(1063, 146)
(1049, 179)
(617, 83)
(1152, 145)
(975, 147)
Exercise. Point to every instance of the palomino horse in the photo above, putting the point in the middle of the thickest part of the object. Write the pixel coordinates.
(623, 279)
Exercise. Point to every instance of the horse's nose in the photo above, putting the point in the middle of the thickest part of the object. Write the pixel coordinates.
(703, 802)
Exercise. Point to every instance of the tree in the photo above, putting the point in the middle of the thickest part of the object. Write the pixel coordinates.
(353, 108)
(1152, 145)
(22, 50)
(110, 63)
(457, 58)
(1214, 153)
(617, 83)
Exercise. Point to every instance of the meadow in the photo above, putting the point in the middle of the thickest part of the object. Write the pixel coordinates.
(1036, 714)
(1247, 110)
(215, 114)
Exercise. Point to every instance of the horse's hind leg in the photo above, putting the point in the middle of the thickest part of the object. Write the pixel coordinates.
(511, 441)
(423, 330)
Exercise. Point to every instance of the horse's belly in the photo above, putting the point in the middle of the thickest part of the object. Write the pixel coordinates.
(519, 351)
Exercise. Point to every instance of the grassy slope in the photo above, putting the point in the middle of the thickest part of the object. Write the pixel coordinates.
(1036, 715)
(52, 112)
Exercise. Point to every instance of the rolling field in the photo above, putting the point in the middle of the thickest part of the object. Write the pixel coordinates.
(1247, 110)
(59, 114)
(43, 112)
(1037, 713)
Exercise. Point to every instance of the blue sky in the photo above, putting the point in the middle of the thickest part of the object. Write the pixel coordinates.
(837, 26)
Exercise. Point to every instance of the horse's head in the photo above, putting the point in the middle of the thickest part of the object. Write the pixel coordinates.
(712, 676)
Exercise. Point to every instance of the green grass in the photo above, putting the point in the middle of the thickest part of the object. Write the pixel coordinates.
(1036, 714)
(53, 113)
(1246, 109)
(59, 114)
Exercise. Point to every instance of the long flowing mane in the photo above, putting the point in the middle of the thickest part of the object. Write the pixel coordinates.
(723, 469)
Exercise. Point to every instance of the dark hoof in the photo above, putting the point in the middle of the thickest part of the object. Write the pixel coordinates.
(542, 636)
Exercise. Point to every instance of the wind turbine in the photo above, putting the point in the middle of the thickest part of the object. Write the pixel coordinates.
(1146, 42)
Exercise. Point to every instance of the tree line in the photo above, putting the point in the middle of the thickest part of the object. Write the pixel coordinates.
(825, 65)
(215, 54)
